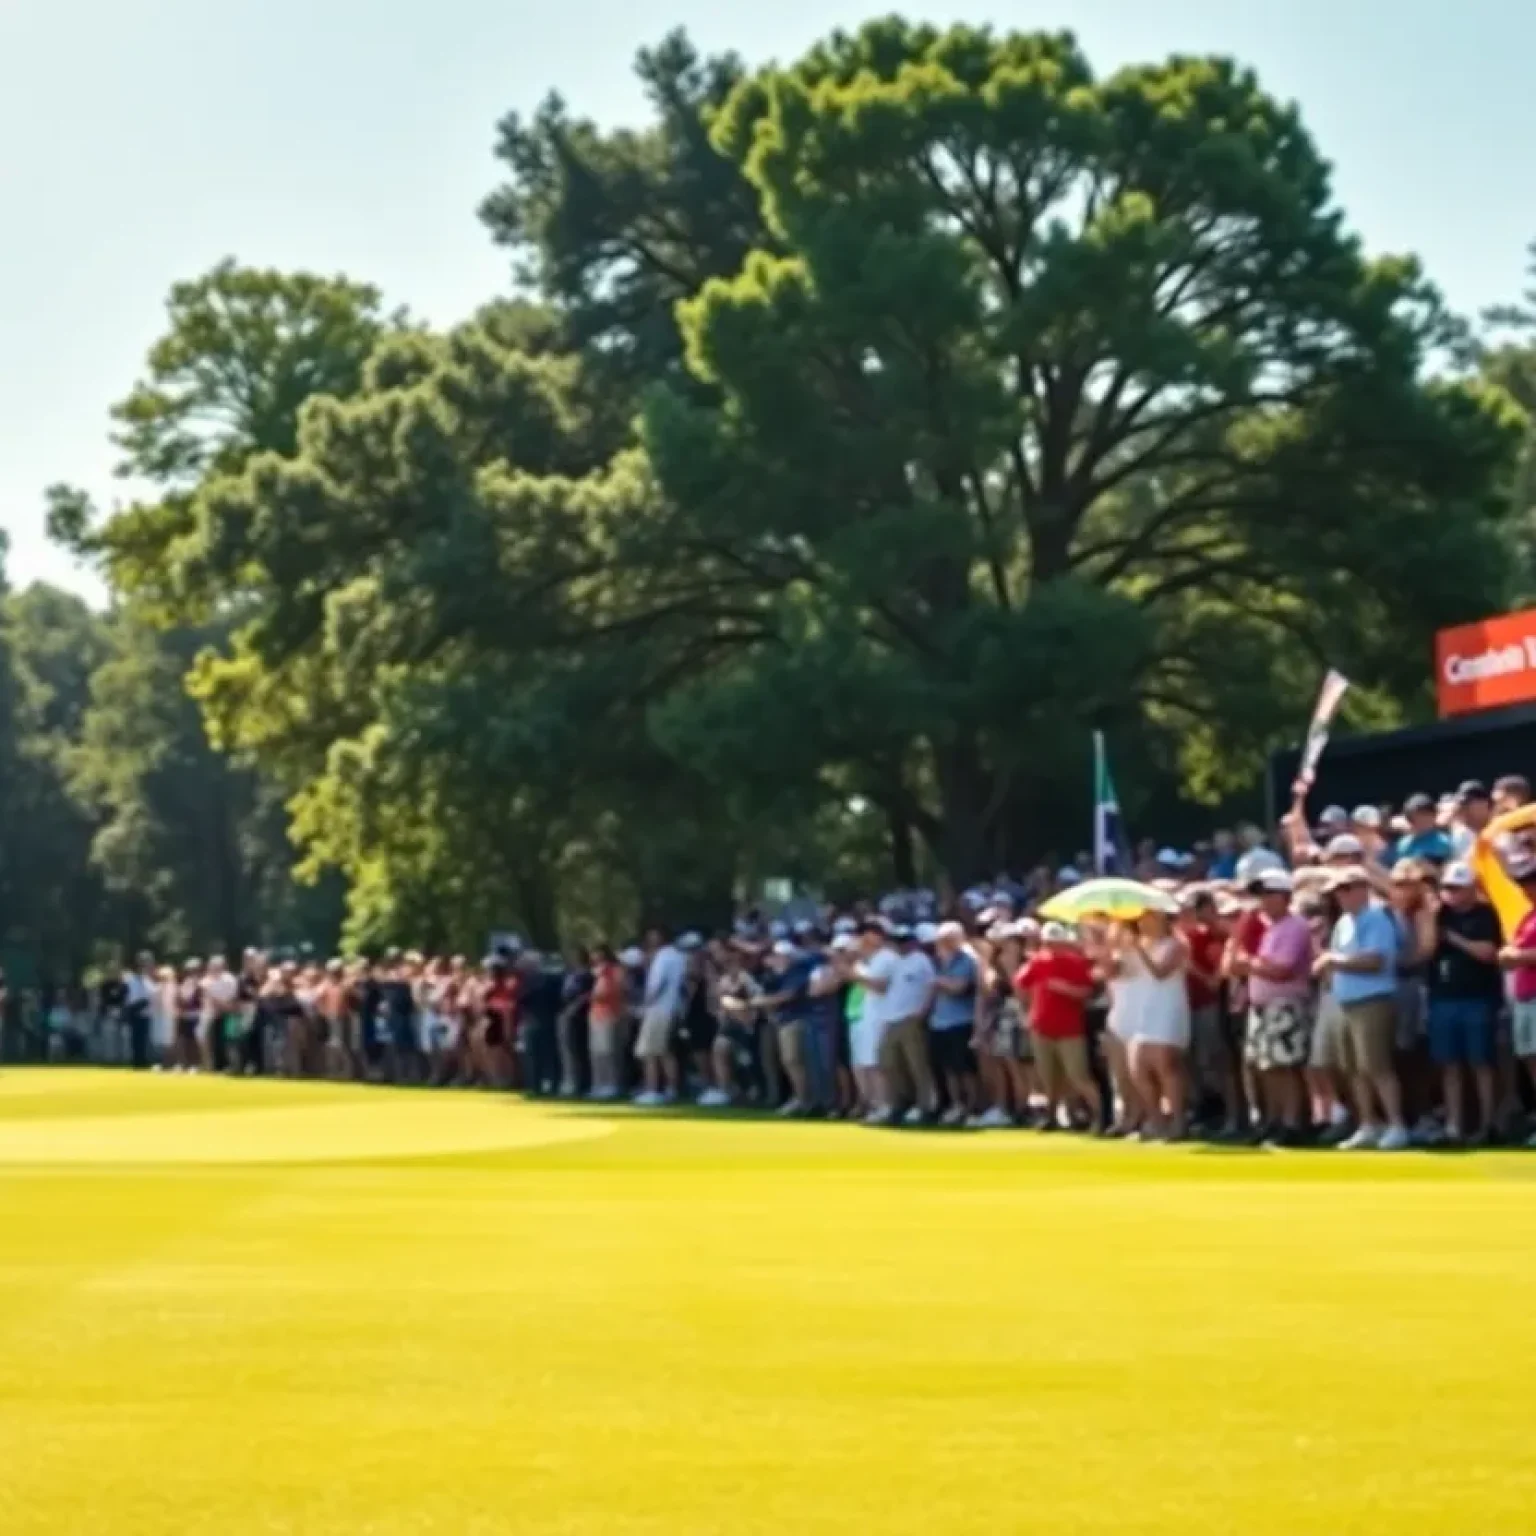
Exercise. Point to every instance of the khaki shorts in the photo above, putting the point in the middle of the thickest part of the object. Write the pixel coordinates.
(1327, 1053)
(1062, 1064)
(1370, 1033)
(655, 1037)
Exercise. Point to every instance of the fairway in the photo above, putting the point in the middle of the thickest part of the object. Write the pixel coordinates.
(258, 1307)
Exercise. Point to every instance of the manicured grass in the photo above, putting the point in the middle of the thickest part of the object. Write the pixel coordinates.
(253, 1307)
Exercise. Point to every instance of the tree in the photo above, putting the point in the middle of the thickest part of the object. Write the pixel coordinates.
(53, 906)
(1508, 359)
(1057, 393)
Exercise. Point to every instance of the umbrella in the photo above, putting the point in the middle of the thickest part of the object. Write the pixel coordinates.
(1118, 899)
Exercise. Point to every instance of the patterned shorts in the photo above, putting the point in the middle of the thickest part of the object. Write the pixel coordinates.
(1279, 1035)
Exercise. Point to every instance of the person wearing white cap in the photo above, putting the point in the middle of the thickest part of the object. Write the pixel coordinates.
(1359, 967)
(904, 1055)
(1058, 981)
(1277, 1040)
(1460, 937)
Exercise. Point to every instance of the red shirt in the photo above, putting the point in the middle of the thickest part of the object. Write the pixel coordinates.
(1205, 950)
(1051, 1015)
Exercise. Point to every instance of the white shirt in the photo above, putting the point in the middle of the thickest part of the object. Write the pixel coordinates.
(664, 980)
(218, 993)
(880, 966)
(136, 990)
(911, 988)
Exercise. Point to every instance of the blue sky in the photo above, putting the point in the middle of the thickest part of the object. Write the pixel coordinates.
(143, 140)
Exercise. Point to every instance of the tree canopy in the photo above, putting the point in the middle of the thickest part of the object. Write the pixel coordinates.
(856, 436)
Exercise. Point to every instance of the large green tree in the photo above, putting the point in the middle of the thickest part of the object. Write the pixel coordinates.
(1062, 398)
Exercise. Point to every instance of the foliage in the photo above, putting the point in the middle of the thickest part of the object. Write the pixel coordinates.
(862, 432)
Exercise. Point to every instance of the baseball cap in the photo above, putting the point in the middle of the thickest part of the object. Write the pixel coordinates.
(1056, 933)
(689, 941)
(1513, 784)
(631, 957)
(1276, 880)
(845, 925)
(1333, 816)
(1068, 876)
(843, 942)
(950, 930)
(784, 950)
(1472, 789)
(1366, 816)
(900, 932)
(926, 933)
(1419, 802)
(1345, 846)
(1458, 877)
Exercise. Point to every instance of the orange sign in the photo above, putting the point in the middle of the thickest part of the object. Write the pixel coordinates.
(1487, 664)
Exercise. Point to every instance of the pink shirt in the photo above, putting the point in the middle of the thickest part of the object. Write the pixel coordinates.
(1286, 943)
(1523, 977)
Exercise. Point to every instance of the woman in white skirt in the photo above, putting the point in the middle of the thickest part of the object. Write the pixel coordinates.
(1149, 1017)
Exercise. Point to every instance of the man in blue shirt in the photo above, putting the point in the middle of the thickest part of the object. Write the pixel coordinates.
(1425, 838)
(952, 1022)
(1359, 967)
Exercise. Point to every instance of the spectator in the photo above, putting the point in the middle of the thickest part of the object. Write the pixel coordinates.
(904, 1048)
(954, 1020)
(873, 976)
(1211, 1060)
(1150, 1001)
(1425, 840)
(1460, 937)
(1057, 983)
(1360, 970)
(1473, 812)
(1518, 959)
(1279, 975)
(662, 1002)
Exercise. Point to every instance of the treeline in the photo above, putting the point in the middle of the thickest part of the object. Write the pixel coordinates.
(855, 437)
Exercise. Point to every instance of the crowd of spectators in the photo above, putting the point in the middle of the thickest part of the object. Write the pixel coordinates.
(1346, 982)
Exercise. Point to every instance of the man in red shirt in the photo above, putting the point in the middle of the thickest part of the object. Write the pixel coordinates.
(1056, 985)
(1212, 1062)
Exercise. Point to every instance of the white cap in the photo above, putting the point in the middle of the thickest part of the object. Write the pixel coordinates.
(803, 927)
(1026, 928)
(1172, 858)
(951, 930)
(631, 957)
(689, 941)
(845, 925)
(1459, 877)
(1056, 933)
(1068, 876)
(1333, 816)
(1255, 862)
(926, 933)
(843, 942)
(1366, 816)
(785, 950)
(1277, 880)
(1345, 846)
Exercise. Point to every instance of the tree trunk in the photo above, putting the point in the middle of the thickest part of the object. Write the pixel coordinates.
(964, 789)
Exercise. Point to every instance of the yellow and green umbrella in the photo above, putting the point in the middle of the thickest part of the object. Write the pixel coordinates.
(1119, 900)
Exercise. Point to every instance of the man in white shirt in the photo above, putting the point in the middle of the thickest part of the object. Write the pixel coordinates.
(659, 1011)
(871, 973)
(138, 996)
(904, 1051)
(219, 992)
